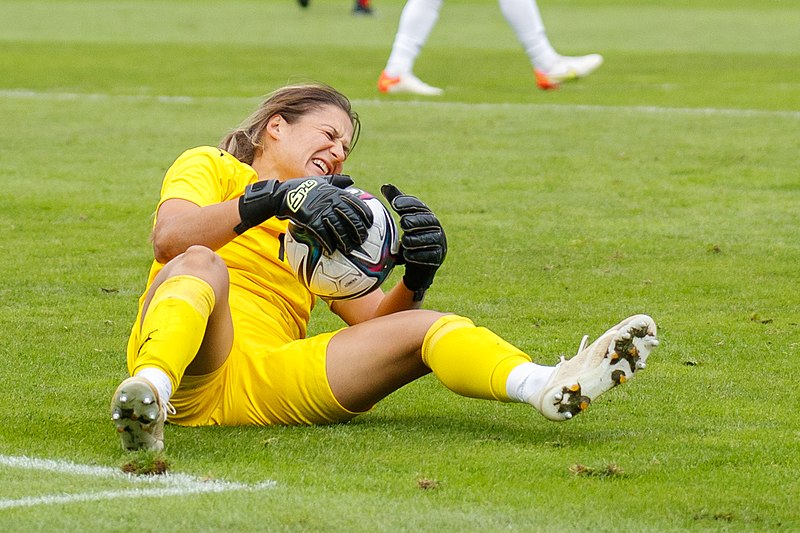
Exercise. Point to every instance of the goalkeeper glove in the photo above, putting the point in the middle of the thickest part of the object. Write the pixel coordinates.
(319, 205)
(423, 245)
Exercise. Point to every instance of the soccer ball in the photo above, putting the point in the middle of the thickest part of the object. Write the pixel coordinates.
(338, 276)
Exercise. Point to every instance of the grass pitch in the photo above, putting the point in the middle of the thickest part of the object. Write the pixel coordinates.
(665, 183)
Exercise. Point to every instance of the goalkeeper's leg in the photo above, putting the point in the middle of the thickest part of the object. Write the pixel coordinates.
(474, 362)
(369, 361)
(477, 363)
(185, 325)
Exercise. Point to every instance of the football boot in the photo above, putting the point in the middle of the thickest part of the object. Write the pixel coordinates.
(362, 7)
(406, 83)
(609, 361)
(139, 415)
(567, 69)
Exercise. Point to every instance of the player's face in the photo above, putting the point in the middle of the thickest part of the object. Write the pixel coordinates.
(314, 145)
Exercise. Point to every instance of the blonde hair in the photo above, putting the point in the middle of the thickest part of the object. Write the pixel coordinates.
(291, 102)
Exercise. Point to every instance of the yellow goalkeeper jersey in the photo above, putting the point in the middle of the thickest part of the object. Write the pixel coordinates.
(266, 296)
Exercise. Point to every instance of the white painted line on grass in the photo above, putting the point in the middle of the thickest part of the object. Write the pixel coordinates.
(644, 110)
(161, 485)
(153, 492)
(27, 94)
(177, 99)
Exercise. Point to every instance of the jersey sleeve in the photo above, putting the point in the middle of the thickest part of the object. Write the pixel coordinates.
(203, 176)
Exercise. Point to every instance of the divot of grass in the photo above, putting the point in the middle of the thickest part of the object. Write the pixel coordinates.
(611, 470)
(755, 317)
(719, 516)
(146, 464)
(425, 483)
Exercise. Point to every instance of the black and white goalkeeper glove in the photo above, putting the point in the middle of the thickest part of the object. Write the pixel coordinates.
(318, 204)
(423, 245)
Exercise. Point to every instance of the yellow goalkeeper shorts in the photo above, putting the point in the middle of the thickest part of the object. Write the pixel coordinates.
(282, 383)
(266, 379)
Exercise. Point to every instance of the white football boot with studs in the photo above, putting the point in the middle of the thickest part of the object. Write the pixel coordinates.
(609, 361)
(139, 415)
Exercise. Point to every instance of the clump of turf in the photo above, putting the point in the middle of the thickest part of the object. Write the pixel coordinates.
(609, 470)
(427, 483)
(146, 464)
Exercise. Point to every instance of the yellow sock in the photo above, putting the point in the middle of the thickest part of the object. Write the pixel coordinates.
(469, 360)
(174, 326)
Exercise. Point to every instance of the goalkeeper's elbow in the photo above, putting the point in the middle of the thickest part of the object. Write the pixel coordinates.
(165, 247)
(164, 254)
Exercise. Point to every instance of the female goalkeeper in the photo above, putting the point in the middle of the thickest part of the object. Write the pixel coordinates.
(220, 336)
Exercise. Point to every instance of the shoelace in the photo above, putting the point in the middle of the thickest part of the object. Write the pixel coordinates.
(581, 347)
(584, 342)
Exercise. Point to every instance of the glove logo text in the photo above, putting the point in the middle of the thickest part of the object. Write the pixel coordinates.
(296, 197)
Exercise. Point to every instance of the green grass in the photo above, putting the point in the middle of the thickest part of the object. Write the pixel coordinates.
(665, 183)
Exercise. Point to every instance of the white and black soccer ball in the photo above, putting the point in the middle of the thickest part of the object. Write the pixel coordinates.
(339, 276)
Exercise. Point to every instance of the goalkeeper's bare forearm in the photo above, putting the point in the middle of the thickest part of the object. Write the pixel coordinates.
(376, 304)
(181, 224)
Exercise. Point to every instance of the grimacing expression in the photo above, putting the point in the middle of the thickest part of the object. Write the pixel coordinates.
(316, 144)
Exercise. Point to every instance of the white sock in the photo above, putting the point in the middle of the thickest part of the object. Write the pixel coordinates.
(527, 379)
(524, 18)
(416, 23)
(160, 380)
